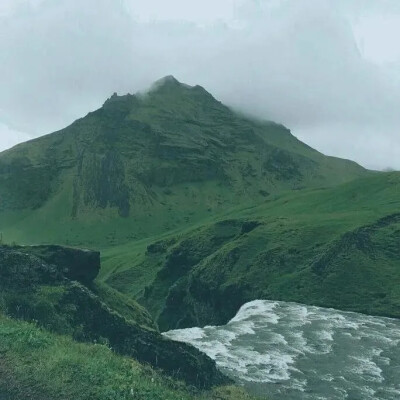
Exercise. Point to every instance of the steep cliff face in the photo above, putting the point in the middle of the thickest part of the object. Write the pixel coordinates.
(43, 284)
(148, 163)
(75, 264)
(358, 270)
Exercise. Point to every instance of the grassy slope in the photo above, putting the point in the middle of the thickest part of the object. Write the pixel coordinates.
(145, 165)
(29, 356)
(123, 305)
(45, 292)
(326, 247)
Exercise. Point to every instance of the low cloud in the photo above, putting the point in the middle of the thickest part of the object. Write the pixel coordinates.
(295, 62)
(10, 137)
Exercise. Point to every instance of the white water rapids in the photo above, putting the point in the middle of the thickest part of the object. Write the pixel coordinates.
(292, 351)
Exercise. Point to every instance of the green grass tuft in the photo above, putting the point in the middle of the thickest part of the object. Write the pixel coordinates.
(38, 365)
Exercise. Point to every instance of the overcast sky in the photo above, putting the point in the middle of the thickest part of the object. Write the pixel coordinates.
(327, 69)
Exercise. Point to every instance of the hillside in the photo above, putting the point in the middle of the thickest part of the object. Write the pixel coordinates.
(197, 209)
(335, 247)
(53, 287)
(80, 371)
(193, 210)
(150, 163)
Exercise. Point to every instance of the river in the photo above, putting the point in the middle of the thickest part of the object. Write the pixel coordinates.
(292, 351)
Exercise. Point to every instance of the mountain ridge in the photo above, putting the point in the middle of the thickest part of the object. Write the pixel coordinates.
(174, 147)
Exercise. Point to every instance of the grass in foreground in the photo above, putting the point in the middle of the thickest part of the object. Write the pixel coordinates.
(38, 365)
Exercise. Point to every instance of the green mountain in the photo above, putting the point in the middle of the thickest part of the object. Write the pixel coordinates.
(194, 210)
(150, 163)
(197, 209)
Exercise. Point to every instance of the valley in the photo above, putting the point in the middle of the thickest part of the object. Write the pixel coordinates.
(191, 210)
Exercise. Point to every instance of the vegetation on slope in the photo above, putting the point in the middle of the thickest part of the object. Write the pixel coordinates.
(34, 290)
(38, 365)
(335, 247)
(196, 210)
(151, 163)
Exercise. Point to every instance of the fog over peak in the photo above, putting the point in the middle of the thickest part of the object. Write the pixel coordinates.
(327, 70)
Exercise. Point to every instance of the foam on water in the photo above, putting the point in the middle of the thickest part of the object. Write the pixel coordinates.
(257, 308)
(291, 351)
(186, 335)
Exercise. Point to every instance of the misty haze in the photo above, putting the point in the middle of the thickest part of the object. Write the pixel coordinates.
(199, 200)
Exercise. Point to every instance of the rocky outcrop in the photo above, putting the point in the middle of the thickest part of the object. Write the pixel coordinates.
(21, 270)
(96, 322)
(75, 264)
(46, 284)
(47, 264)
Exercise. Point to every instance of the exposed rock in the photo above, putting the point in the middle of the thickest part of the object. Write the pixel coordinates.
(97, 322)
(75, 264)
(21, 270)
(41, 283)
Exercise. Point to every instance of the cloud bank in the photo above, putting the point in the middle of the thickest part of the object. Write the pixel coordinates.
(326, 70)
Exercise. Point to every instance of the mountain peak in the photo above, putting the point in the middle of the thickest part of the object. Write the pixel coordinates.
(166, 95)
(168, 81)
